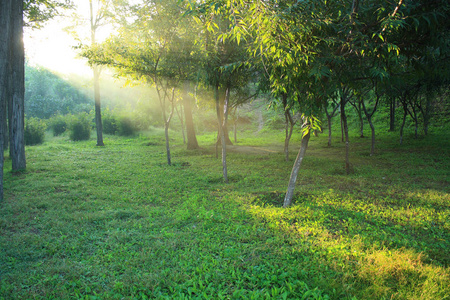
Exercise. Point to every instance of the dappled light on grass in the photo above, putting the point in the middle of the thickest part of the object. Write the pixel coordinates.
(381, 251)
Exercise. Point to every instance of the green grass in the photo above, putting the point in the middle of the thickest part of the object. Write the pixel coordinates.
(115, 222)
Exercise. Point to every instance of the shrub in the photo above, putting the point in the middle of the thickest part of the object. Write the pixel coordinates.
(109, 123)
(58, 125)
(80, 128)
(34, 131)
(125, 127)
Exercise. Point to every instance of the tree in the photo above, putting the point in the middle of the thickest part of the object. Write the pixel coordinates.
(149, 49)
(12, 59)
(16, 113)
(5, 23)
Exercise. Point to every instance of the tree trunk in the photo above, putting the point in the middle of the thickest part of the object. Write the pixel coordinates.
(180, 116)
(98, 109)
(96, 71)
(369, 119)
(405, 113)
(190, 129)
(342, 128)
(294, 173)
(166, 134)
(219, 119)
(392, 115)
(289, 126)
(347, 142)
(361, 121)
(222, 136)
(5, 12)
(17, 67)
(329, 130)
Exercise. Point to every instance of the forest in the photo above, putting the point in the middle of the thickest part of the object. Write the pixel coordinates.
(228, 150)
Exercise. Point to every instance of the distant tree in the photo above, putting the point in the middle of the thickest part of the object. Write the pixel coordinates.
(149, 49)
(47, 95)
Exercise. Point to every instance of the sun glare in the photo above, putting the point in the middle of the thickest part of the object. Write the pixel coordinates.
(52, 48)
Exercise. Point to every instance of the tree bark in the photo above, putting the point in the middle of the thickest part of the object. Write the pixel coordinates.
(295, 169)
(17, 84)
(5, 12)
(190, 129)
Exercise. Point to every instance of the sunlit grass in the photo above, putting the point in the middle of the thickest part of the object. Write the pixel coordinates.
(116, 222)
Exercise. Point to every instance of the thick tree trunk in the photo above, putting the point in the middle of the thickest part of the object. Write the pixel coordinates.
(98, 106)
(5, 12)
(17, 67)
(190, 129)
(294, 173)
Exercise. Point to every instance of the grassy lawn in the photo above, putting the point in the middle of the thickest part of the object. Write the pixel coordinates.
(116, 222)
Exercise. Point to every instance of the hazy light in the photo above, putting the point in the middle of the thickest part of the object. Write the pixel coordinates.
(52, 48)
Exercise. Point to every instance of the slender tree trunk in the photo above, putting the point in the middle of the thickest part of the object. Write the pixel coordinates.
(372, 146)
(180, 116)
(96, 72)
(190, 129)
(295, 169)
(5, 12)
(405, 113)
(17, 64)
(289, 126)
(98, 106)
(222, 136)
(289, 131)
(329, 130)
(369, 119)
(347, 142)
(219, 118)
(361, 121)
(166, 134)
(392, 115)
(342, 127)
(235, 130)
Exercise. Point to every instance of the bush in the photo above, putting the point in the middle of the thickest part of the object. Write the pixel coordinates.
(80, 128)
(34, 131)
(125, 127)
(109, 123)
(58, 125)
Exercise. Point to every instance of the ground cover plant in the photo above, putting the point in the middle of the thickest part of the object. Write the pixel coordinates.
(116, 222)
